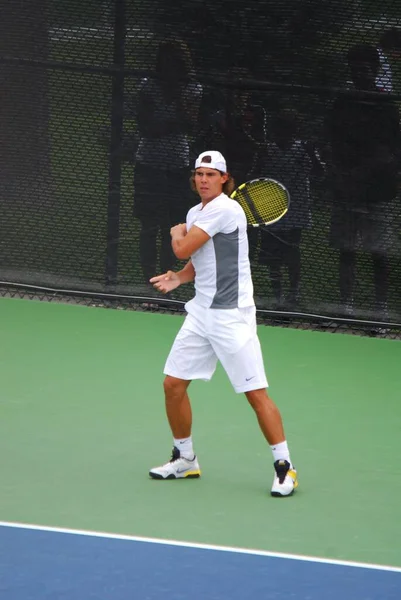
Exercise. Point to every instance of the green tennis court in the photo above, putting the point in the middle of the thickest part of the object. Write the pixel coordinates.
(82, 420)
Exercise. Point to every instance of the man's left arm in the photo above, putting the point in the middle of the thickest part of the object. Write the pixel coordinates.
(184, 243)
(210, 220)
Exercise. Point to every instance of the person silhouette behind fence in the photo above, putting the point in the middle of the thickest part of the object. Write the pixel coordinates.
(238, 131)
(291, 161)
(167, 112)
(364, 138)
(389, 48)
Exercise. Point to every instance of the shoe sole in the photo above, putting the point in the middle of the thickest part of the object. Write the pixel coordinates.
(193, 475)
(278, 495)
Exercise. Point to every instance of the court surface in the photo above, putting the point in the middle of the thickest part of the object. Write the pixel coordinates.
(39, 563)
(82, 420)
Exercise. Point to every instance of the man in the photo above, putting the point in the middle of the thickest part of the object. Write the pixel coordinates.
(293, 161)
(239, 132)
(167, 109)
(220, 324)
(389, 50)
(365, 141)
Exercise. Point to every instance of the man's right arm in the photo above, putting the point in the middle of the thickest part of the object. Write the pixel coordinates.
(171, 280)
(187, 274)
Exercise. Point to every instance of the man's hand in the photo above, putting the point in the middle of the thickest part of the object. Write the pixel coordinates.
(178, 231)
(167, 282)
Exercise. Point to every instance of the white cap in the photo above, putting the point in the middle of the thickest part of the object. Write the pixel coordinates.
(216, 161)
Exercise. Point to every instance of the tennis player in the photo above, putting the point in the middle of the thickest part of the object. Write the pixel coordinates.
(220, 322)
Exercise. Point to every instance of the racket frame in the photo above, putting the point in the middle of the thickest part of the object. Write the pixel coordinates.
(251, 204)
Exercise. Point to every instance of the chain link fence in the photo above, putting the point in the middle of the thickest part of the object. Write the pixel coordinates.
(105, 105)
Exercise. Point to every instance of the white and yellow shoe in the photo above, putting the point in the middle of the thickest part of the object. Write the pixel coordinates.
(285, 480)
(178, 467)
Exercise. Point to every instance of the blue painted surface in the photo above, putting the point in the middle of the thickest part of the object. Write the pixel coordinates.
(43, 565)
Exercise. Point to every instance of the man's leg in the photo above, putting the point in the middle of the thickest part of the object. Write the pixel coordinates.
(148, 208)
(178, 406)
(271, 256)
(271, 424)
(167, 257)
(293, 260)
(381, 271)
(148, 247)
(183, 462)
(275, 280)
(344, 228)
(268, 415)
(246, 371)
(347, 277)
(191, 357)
(378, 239)
(253, 241)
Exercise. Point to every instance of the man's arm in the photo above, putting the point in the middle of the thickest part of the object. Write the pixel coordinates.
(316, 164)
(170, 281)
(187, 274)
(185, 244)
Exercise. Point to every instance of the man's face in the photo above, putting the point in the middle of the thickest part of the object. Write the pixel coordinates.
(209, 183)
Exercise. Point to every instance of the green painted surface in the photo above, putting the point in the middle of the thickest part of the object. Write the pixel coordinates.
(82, 420)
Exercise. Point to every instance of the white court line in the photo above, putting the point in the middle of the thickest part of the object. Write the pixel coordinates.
(133, 538)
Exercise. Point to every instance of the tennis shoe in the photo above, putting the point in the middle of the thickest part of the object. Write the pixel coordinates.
(285, 480)
(178, 467)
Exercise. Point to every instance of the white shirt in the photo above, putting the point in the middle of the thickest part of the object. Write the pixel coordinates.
(384, 79)
(222, 269)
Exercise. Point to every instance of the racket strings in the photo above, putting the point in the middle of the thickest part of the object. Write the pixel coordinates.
(262, 201)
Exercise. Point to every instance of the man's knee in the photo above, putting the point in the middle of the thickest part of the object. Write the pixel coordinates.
(173, 385)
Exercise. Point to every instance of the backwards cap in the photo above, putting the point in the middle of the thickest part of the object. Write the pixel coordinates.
(212, 160)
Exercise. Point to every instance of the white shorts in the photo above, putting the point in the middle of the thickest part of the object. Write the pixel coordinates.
(209, 335)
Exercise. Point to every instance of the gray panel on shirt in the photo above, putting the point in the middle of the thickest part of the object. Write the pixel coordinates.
(226, 247)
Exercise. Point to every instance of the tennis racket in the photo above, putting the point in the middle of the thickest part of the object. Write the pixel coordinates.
(264, 201)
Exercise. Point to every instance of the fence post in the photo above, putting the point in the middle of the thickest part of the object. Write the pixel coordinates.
(116, 136)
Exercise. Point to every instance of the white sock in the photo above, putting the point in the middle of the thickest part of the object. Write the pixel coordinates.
(184, 445)
(281, 452)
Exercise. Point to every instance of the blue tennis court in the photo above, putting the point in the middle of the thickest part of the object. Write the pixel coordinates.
(44, 563)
